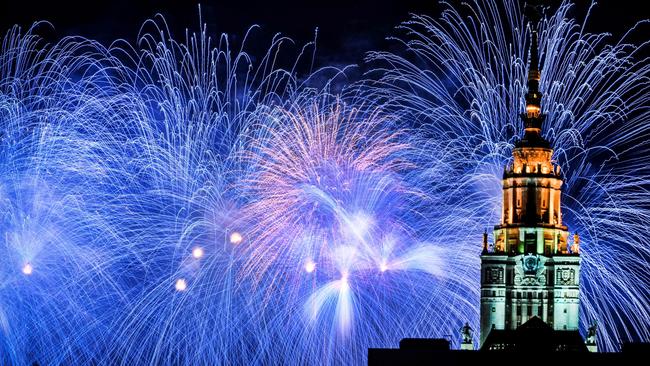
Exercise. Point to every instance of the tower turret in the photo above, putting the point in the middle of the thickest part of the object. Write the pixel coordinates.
(530, 270)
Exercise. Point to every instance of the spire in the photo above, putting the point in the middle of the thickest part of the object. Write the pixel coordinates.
(533, 96)
(533, 117)
(534, 15)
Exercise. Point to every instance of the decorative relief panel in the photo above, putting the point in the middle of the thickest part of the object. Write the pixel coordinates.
(494, 275)
(528, 273)
(565, 276)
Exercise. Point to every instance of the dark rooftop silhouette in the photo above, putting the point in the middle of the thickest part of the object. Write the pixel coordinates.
(533, 343)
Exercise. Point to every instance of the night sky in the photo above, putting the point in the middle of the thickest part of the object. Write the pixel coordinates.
(346, 29)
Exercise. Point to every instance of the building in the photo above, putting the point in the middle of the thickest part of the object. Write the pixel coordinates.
(531, 270)
(529, 274)
(535, 336)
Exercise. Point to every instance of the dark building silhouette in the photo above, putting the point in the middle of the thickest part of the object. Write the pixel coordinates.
(534, 336)
(527, 346)
(532, 343)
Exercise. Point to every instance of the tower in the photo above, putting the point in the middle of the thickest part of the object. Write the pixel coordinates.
(530, 270)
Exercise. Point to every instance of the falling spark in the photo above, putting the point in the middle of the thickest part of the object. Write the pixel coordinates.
(197, 252)
(310, 266)
(180, 285)
(236, 238)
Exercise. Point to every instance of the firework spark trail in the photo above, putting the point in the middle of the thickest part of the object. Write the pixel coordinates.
(53, 226)
(113, 161)
(463, 80)
(187, 206)
(307, 173)
(332, 214)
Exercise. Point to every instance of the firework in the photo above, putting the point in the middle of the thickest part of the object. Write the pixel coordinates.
(184, 202)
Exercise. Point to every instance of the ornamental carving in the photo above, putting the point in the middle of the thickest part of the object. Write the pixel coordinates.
(494, 275)
(565, 276)
(527, 276)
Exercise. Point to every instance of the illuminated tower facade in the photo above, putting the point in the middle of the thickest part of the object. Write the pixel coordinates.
(531, 269)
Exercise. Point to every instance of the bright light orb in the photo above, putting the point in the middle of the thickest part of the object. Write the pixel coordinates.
(361, 224)
(28, 269)
(236, 238)
(197, 252)
(310, 266)
(383, 267)
(181, 285)
(344, 278)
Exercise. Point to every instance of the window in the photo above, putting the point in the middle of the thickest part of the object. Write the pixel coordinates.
(494, 309)
(531, 242)
(548, 245)
(529, 310)
(564, 311)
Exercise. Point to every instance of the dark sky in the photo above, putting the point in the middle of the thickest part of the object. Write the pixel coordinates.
(346, 28)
